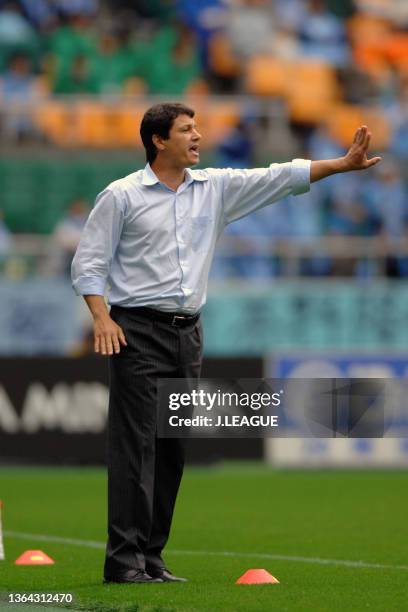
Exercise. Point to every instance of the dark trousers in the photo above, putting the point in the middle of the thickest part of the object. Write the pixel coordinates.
(144, 472)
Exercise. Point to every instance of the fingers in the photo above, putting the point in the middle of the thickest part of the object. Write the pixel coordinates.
(103, 345)
(373, 161)
(115, 342)
(108, 343)
(122, 337)
(366, 141)
(362, 134)
(357, 136)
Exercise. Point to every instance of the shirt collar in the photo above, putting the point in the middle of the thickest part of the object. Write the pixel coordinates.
(149, 177)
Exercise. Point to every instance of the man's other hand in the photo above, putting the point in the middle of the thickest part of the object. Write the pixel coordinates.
(108, 336)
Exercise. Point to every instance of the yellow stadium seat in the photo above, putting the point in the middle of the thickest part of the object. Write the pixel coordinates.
(91, 124)
(128, 128)
(221, 58)
(397, 48)
(367, 29)
(312, 92)
(266, 76)
(54, 120)
(346, 118)
(214, 119)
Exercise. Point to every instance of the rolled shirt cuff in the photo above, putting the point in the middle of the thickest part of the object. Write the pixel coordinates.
(300, 176)
(89, 285)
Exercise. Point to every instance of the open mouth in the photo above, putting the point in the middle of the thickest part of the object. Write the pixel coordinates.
(194, 149)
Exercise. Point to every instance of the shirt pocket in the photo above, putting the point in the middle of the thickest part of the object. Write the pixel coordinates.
(201, 230)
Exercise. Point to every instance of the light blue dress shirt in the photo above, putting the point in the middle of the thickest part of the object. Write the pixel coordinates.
(154, 246)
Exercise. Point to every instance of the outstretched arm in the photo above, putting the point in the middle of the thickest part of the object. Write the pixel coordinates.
(355, 159)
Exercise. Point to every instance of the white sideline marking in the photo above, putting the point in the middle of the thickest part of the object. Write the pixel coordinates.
(205, 553)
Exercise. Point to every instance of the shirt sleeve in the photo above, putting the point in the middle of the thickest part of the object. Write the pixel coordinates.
(245, 191)
(93, 258)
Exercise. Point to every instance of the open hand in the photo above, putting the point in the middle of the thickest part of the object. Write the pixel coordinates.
(356, 157)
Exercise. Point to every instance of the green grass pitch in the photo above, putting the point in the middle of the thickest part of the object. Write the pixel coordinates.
(307, 528)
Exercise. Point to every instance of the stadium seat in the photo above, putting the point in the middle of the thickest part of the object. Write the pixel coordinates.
(129, 119)
(96, 124)
(312, 92)
(53, 119)
(368, 36)
(397, 49)
(367, 29)
(221, 59)
(266, 76)
(215, 119)
(344, 119)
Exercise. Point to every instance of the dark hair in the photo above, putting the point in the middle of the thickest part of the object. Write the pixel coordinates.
(159, 120)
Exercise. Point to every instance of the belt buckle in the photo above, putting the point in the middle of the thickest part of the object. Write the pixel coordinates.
(174, 321)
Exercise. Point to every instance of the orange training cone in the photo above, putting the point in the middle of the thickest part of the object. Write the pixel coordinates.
(34, 557)
(257, 576)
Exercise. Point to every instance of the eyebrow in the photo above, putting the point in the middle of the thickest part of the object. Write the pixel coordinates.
(184, 125)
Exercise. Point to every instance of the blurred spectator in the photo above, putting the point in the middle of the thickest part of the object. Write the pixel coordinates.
(236, 150)
(386, 199)
(204, 17)
(250, 27)
(321, 145)
(67, 234)
(342, 8)
(76, 78)
(88, 8)
(323, 35)
(350, 218)
(16, 34)
(40, 13)
(74, 37)
(112, 65)
(18, 85)
(174, 66)
(107, 65)
(346, 213)
(253, 239)
(161, 10)
(44, 14)
(5, 237)
(395, 10)
(305, 222)
(397, 113)
(289, 14)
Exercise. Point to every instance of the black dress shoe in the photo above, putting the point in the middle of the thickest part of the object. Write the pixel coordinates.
(132, 576)
(164, 575)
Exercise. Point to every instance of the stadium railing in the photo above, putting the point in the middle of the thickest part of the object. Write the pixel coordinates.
(35, 255)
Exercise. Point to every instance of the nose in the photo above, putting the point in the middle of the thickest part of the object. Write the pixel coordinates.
(196, 134)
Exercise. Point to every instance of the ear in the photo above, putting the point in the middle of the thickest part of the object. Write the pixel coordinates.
(158, 142)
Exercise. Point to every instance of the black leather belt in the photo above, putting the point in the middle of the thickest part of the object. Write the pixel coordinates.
(176, 319)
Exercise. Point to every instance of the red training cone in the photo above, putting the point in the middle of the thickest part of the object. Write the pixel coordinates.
(257, 576)
(34, 557)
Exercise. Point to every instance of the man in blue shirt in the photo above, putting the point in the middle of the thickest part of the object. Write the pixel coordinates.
(151, 237)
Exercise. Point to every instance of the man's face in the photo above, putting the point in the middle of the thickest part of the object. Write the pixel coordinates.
(182, 146)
